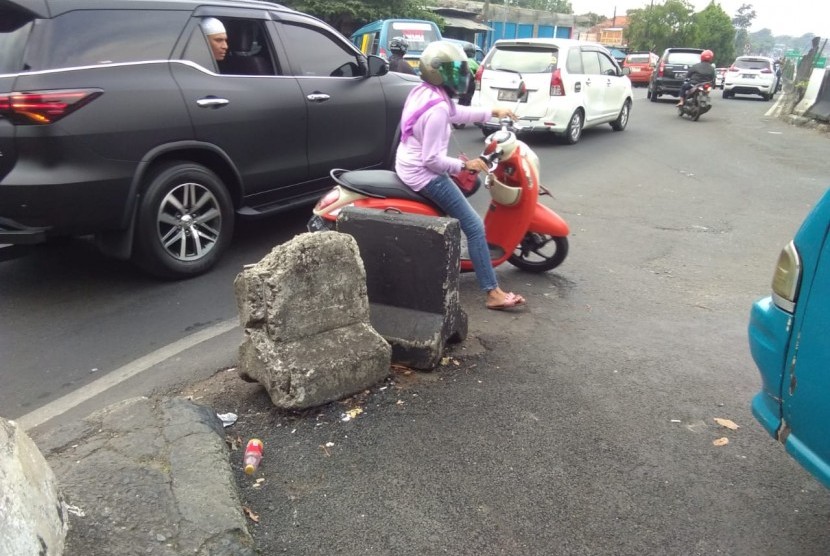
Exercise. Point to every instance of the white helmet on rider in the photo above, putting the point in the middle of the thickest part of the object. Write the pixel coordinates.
(445, 64)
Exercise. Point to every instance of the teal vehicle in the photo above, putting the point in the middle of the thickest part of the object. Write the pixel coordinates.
(789, 338)
(373, 38)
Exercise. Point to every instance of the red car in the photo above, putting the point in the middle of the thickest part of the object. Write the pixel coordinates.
(641, 65)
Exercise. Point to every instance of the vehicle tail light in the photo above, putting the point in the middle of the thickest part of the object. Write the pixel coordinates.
(557, 88)
(707, 86)
(766, 70)
(383, 54)
(660, 69)
(44, 107)
(479, 72)
(733, 68)
(786, 278)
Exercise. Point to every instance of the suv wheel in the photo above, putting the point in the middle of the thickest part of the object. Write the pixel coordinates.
(185, 221)
(574, 131)
(622, 120)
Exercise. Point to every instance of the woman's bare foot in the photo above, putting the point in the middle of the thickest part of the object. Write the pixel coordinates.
(498, 299)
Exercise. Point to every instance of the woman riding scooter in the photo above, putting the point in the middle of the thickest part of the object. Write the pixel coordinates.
(423, 164)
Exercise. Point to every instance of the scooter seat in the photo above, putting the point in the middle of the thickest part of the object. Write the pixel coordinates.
(381, 184)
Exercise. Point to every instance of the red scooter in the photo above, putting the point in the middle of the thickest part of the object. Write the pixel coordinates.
(519, 229)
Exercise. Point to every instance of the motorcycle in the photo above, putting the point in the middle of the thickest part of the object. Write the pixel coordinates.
(697, 102)
(519, 229)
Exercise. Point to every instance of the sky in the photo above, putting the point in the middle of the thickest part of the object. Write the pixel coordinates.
(782, 17)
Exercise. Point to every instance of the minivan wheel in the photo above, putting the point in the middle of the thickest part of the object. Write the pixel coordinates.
(622, 120)
(185, 221)
(574, 131)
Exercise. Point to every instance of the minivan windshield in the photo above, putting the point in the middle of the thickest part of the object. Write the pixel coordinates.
(523, 59)
(417, 34)
(12, 45)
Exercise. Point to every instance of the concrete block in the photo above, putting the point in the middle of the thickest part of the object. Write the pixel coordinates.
(33, 517)
(412, 278)
(305, 311)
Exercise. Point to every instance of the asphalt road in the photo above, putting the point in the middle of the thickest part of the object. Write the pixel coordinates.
(600, 442)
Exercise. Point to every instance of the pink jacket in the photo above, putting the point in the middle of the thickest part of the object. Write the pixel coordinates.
(425, 135)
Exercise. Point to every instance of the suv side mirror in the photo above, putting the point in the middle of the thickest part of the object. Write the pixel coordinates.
(377, 65)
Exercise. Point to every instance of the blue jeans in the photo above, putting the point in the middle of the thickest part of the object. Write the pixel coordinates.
(444, 193)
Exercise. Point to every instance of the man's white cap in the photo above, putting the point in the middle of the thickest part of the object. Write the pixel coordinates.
(212, 26)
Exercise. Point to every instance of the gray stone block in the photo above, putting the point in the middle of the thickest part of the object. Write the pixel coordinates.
(305, 311)
(33, 516)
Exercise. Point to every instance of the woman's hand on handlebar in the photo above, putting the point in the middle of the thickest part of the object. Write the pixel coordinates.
(504, 113)
(476, 165)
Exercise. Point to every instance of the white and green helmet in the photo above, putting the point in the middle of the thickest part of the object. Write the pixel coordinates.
(445, 64)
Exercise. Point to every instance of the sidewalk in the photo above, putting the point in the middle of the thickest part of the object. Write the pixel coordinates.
(159, 475)
(148, 476)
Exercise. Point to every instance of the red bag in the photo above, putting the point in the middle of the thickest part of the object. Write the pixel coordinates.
(466, 180)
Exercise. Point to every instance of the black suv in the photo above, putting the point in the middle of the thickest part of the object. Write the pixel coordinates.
(115, 121)
(668, 76)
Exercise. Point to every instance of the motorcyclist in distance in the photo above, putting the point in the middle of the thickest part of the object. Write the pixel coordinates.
(699, 73)
(398, 47)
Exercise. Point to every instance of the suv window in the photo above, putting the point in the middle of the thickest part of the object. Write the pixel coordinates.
(329, 57)
(91, 37)
(12, 45)
(752, 64)
(686, 58)
(590, 61)
(524, 59)
(606, 65)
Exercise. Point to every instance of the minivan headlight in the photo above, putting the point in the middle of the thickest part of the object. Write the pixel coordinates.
(786, 278)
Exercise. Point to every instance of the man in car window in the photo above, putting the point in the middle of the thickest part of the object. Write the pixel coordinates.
(699, 73)
(217, 38)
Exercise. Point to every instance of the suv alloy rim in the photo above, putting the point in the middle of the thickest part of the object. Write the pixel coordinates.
(189, 221)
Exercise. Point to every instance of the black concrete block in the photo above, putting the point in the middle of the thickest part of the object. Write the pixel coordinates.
(412, 277)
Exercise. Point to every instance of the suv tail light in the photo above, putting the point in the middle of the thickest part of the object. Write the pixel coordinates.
(660, 69)
(766, 70)
(479, 71)
(732, 68)
(44, 107)
(557, 88)
(786, 278)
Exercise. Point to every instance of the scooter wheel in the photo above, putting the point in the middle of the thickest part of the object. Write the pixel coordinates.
(539, 252)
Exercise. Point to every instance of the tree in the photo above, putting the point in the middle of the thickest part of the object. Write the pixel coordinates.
(555, 6)
(657, 27)
(347, 15)
(742, 20)
(714, 30)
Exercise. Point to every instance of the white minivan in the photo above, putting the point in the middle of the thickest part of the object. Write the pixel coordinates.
(570, 84)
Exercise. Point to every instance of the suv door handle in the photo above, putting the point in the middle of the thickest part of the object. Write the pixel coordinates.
(212, 102)
(318, 97)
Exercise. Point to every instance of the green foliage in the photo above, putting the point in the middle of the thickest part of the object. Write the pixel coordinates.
(714, 31)
(555, 6)
(657, 27)
(347, 15)
(744, 16)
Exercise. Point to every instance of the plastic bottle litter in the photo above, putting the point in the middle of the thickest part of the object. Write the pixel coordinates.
(253, 455)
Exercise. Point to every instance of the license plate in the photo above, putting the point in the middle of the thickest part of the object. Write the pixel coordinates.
(748, 75)
(508, 95)
(680, 75)
(635, 69)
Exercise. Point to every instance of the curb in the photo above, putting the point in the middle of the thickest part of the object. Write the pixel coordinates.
(148, 476)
